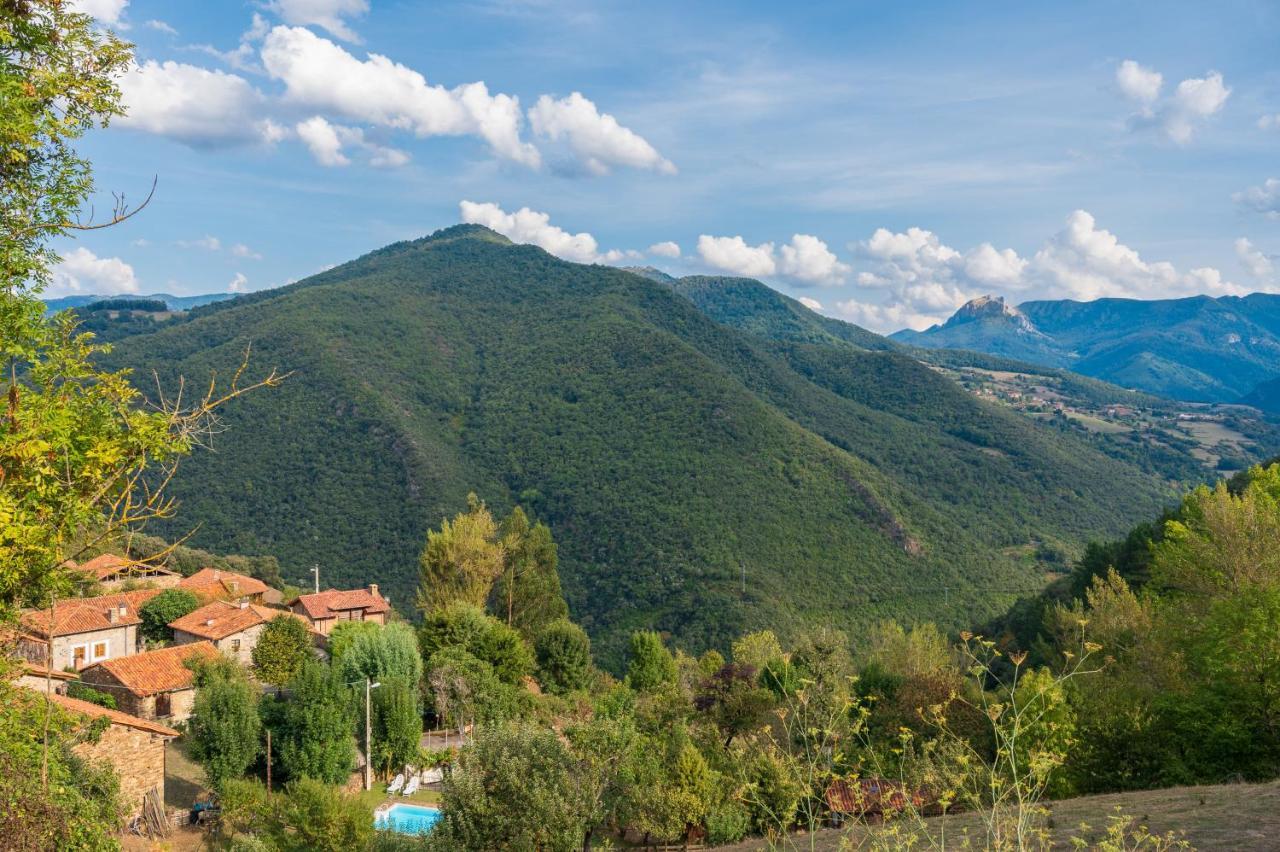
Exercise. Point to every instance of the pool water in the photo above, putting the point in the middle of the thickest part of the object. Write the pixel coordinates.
(407, 819)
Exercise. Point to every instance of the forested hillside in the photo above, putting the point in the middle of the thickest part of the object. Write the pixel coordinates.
(671, 455)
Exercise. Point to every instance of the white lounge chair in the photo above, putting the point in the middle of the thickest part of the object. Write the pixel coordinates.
(396, 784)
(411, 787)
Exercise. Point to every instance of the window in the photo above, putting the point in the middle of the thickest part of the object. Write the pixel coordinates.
(100, 650)
(78, 655)
(163, 706)
(235, 645)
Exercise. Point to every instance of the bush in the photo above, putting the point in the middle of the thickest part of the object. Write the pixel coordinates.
(166, 607)
(728, 822)
(315, 817)
(651, 663)
(285, 644)
(76, 689)
(225, 727)
(564, 657)
(773, 795)
(484, 637)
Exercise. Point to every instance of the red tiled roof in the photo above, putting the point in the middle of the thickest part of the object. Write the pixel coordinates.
(869, 796)
(85, 708)
(37, 670)
(329, 603)
(85, 615)
(216, 583)
(154, 672)
(220, 619)
(109, 564)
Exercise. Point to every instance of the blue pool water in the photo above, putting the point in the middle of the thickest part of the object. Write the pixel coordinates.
(408, 819)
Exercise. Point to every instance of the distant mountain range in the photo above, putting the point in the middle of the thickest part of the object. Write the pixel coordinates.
(1199, 349)
(711, 455)
(174, 303)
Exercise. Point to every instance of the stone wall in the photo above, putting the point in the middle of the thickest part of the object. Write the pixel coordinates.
(136, 756)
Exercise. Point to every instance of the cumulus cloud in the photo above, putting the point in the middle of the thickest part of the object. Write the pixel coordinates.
(665, 249)
(326, 142)
(1192, 103)
(1255, 262)
(207, 242)
(239, 284)
(326, 14)
(811, 304)
(211, 243)
(535, 228)
(194, 105)
(243, 251)
(107, 11)
(160, 27)
(733, 254)
(1264, 198)
(1139, 83)
(596, 138)
(322, 75)
(82, 271)
(808, 260)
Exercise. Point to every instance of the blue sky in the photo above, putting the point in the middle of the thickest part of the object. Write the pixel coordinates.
(883, 161)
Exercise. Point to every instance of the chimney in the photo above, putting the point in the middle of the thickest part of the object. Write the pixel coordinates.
(208, 622)
(244, 604)
(373, 589)
(124, 609)
(111, 614)
(235, 587)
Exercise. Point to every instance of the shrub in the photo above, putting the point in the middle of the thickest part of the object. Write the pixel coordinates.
(651, 663)
(166, 607)
(564, 657)
(728, 822)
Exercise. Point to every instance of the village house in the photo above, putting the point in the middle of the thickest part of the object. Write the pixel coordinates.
(232, 628)
(37, 677)
(133, 747)
(111, 572)
(84, 630)
(153, 685)
(214, 584)
(325, 609)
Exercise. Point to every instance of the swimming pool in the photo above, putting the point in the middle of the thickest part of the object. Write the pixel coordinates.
(406, 819)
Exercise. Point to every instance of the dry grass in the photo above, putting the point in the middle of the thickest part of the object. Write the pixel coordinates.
(1244, 817)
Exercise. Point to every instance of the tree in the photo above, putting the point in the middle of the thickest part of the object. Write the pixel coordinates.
(604, 748)
(164, 608)
(733, 700)
(464, 690)
(225, 730)
(397, 725)
(467, 627)
(651, 663)
(285, 644)
(460, 562)
(757, 649)
(317, 723)
(344, 633)
(513, 788)
(388, 653)
(527, 594)
(563, 652)
(313, 817)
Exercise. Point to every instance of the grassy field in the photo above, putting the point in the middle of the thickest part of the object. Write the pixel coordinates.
(1244, 817)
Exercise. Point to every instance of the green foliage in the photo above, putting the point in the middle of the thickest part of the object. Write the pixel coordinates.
(563, 653)
(83, 692)
(651, 665)
(527, 595)
(465, 690)
(397, 725)
(285, 644)
(314, 817)
(773, 795)
(164, 608)
(728, 822)
(460, 562)
(484, 637)
(514, 789)
(757, 649)
(225, 731)
(734, 701)
(344, 633)
(386, 653)
(316, 726)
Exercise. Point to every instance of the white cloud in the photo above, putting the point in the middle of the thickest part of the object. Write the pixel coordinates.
(194, 105)
(326, 142)
(807, 259)
(1264, 198)
(1139, 83)
(1255, 262)
(239, 284)
(665, 249)
(883, 317)
(1269, 121)
(535, 228)
(320, 74)
(82, 271)
(207, 242)
(106, 11)
(811, 304)
(243, 251)
(597, 138)
(732, 254)
(326, 14)
(988, 265)
(160, 26)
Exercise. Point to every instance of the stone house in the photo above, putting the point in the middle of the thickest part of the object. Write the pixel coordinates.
(214, 584)
(133, 747)
(153, 685)
(232, 628)
(85, 630)
(111, 572)
(35, 676)
(325, 609)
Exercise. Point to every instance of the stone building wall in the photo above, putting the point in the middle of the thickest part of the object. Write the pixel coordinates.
(136, 756)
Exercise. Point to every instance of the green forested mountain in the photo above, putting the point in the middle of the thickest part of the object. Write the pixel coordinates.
(1199, 348)
(672, 455)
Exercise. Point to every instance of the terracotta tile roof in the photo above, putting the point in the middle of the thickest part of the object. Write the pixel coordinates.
(153, 672)
(85, 615)
(37, 670)
(85, 708)
(328, 604)
(216, 583)
(109, 564)
(220, 619)
(870, 796)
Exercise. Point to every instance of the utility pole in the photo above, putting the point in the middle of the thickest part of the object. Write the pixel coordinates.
(315, 569)
(268, 760)
(368, 732)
